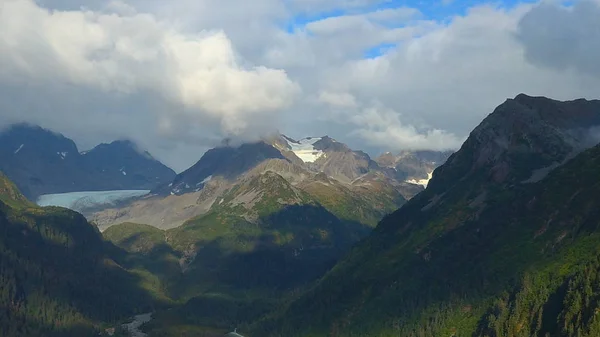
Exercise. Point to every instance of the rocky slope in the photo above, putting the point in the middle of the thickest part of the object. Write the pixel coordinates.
(335, 159)
(503, 242)
(40, 162)
(347, 182)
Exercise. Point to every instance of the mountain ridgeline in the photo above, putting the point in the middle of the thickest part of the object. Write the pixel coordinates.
(346, 182)
(503, 242)
(41, 162)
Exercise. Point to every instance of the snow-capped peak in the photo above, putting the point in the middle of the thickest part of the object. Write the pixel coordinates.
(305, 149)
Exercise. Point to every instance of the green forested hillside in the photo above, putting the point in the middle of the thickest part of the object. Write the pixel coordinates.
(488, 259)
(56, 278)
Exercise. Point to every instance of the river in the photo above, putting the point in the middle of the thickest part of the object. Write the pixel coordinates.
(134, 326)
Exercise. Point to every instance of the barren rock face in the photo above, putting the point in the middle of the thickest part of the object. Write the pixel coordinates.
(524, 135)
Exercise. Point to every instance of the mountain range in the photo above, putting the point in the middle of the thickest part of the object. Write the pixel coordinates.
(282, 237)
(40, 162)
(475, 253)
(347, 182)
(267, 217)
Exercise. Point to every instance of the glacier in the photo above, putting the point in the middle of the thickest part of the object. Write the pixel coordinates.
(305, 150)
(81, 201)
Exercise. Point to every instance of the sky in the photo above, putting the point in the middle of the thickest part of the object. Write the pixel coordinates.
(178, 76)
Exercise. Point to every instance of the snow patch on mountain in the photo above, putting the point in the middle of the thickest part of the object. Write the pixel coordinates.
(422, 182)
(19, 149)
(204, 181)
(305, 150)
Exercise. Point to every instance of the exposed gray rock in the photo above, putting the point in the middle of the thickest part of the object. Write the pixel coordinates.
(523, 140)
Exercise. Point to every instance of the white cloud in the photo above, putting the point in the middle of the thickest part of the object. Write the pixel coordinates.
(129, 53)
(177, 76)
(454, 75)
(327, 42)
(380, 126)
(370, 21)
(125, 53)
(393, 16)
(312, 6)
(338, 100)
(563, 37)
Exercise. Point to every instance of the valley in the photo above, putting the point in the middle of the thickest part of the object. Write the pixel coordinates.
(299, 168)
(495, 239)
(242, 228)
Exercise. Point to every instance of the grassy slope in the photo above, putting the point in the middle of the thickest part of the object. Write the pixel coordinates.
(10, 195)
(135, 237)
(366, 205)
(464, 269)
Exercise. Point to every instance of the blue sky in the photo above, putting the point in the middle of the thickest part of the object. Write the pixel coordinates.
(439, 10)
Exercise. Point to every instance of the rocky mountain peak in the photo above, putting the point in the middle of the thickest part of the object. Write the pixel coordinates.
(27, 139)
(225, 161)
(328, 144)
(387, 159)
(122, 148)
(523, 139)
(125, 162)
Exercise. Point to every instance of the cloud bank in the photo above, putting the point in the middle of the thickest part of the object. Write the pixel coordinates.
(179, 78)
